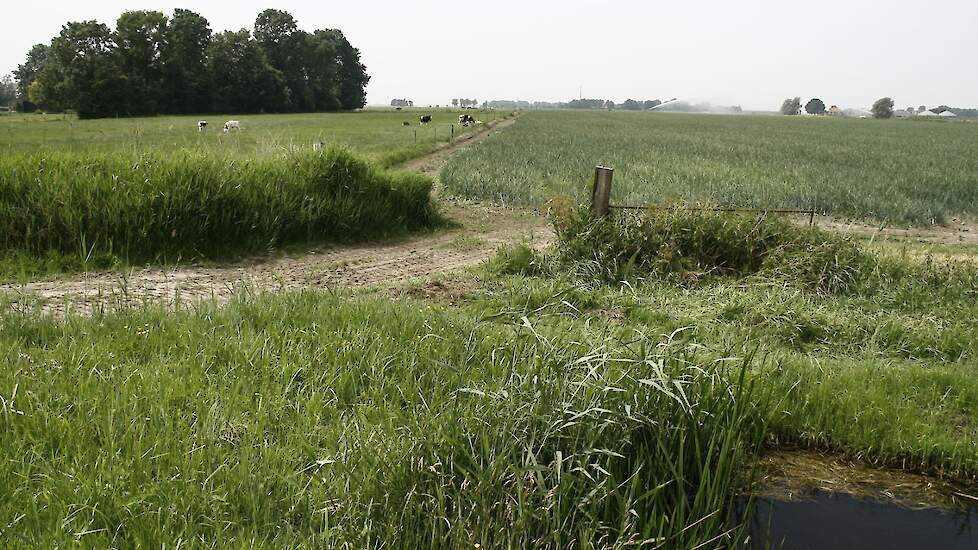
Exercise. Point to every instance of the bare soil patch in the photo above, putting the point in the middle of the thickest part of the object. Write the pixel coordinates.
(344, 267)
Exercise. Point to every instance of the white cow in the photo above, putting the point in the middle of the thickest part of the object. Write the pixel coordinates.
(231, 125)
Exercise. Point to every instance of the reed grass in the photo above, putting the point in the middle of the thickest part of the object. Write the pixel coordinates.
(155, 207)
(315, 420)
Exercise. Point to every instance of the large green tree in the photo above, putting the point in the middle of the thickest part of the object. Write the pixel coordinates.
(287, 49)
(244, 80)
(28, 71)
(324, 71)
(82, 72)
(883, 108)
(187, 79)
(140, 38)
(353, 74)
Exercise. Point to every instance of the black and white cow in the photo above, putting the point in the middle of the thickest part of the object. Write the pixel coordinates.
(231, 125)
(201, 125)
(466, 120)
(425, 119)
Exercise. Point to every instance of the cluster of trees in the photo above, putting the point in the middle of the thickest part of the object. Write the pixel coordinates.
(402, 103)
(632, 105)
(152, 64)
(463, 103)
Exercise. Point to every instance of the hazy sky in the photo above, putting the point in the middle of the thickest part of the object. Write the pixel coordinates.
(749, 52)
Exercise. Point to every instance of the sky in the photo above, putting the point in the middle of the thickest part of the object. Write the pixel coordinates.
(752, 53)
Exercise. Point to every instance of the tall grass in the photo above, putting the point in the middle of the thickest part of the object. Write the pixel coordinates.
(901, 172)
(304, 419)
(152, 206)
(873, 355)
(690, 245)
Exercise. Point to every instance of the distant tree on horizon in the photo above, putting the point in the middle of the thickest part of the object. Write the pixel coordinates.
(883, 108)
(815, 107)
(631, 105)
(791, 106)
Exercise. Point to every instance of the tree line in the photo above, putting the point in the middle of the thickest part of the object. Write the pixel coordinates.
(154, 64)
(883, 108)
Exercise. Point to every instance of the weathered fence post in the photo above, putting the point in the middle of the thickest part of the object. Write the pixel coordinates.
(601, 194)
(415, 136)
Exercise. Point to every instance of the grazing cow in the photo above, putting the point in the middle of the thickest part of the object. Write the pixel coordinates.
(425, 119)
(201, 125)
(231, 125)
(406, 123)
(466, 120)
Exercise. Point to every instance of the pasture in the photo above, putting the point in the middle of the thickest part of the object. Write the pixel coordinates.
(900, 171)
(379, 134)
(96, 194)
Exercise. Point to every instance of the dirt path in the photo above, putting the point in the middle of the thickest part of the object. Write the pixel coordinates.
(432, 164)
(481, 231)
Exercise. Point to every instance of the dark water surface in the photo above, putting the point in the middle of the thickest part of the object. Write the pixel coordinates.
(830, 521)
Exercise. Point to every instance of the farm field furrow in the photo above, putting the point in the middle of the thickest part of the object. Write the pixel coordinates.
(904, 172)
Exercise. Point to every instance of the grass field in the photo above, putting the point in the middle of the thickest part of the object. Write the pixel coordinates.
(547, 410)
(904, 172)
(97, 194)
(376, 133)
(610, 391)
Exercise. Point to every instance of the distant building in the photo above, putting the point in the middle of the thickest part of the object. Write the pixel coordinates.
(902, 113)
(927, 114)
(948, 114)
(836, 111)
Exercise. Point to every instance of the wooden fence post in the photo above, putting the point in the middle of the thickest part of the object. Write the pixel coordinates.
(601, 194)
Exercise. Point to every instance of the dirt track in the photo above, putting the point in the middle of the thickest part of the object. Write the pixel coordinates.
(482, 230)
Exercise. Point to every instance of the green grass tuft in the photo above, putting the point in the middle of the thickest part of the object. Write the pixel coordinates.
(154, 207)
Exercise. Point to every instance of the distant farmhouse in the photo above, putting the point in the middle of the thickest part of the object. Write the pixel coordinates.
(948, 114)
(928, 114)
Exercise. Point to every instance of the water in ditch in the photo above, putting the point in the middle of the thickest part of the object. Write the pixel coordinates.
(829, 521)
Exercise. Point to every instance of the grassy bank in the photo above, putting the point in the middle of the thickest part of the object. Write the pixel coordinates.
(65, 210)
(553, 406)
(899, 171)
(350, 423)
(878, 366)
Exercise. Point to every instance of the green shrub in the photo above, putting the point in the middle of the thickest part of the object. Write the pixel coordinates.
(692, 244)
(144, 207)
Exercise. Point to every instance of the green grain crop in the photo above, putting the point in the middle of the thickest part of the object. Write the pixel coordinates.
(899, 171)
